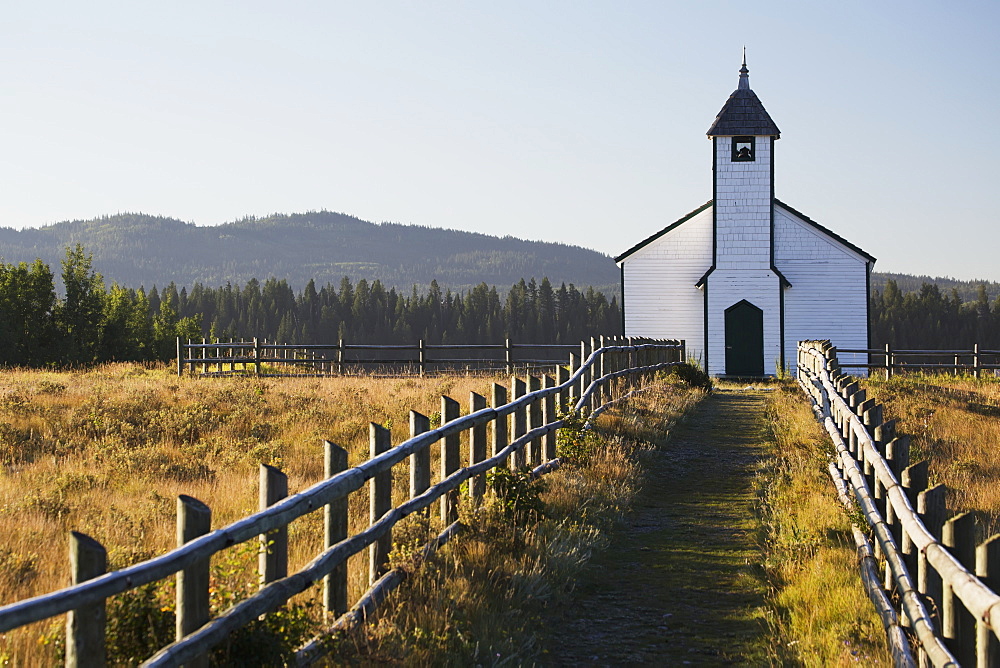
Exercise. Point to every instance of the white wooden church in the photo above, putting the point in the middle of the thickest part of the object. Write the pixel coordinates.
(744, 277)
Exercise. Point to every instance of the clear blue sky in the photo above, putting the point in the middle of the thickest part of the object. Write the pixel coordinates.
(579, 122)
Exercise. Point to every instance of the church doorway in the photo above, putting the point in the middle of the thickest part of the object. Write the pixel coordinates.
(744, 340)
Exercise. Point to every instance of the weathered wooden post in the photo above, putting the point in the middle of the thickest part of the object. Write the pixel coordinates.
(272, 561)
(477, 448)
(957, 625)
(194, 519)
(988, 570)
(518, 424)
(340, 356)
(85, 625)
(180, 357)
(573, 393)
(420, 461)
(256, 356)
(585, 376)
(450, 459)
(914, 481)
(562, 397)
(508, 357)
(500, 424)
(334, 531)
(888, 361)
(549, 416)
(422, 356)
(379, 502)
(932, 511)
(534, 454)
(976, 362)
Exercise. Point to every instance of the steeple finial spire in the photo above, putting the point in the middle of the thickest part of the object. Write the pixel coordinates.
(744, 73)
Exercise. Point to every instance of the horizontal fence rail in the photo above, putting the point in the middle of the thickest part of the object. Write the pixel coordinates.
(946, 583)
(891, 360)
(278, 359)
(523, 436)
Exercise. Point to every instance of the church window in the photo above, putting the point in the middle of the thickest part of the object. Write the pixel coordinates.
(743, 149)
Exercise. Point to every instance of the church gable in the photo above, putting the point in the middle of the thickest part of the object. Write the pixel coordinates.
(799, 238)
(641, 247)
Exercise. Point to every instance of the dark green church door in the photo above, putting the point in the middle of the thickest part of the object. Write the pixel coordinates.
(744, 340)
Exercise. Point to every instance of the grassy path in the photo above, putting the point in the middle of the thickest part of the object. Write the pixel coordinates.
(680, 583)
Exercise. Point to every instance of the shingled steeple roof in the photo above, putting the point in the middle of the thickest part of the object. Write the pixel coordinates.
(743, 114)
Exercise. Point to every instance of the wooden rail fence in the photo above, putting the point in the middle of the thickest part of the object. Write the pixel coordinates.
(277, 359)
(522, 434)
(945, 583)
(973, 361)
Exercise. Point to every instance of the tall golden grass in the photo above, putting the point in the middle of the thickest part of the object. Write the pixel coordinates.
(106, 451)
(954, 421)
(820, 614)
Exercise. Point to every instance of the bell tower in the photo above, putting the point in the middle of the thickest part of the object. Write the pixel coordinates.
(743, 136)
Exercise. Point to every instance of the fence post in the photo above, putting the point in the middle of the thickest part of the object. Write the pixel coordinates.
(508, 357)
(256, 355)
(976, 363)
(180, 357)
(420, 461)
(379, 502)
(272, 562)
(500, 424)
(549, 416)
(988, 570)
(573, 393)
(85, 625)
(477, 448)
(422, 356)
(562, 375)
(450, 459)
(957, 625)
(534, 420)
(518, 424)
(334, 531)
(931, 509)
(585, 376)
(914, 481)
(194, 519)
(888, 361)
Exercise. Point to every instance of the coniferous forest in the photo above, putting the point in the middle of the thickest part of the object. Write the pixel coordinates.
(92, 323)
(88, 322)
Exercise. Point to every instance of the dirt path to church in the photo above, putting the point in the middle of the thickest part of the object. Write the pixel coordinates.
(680, 583)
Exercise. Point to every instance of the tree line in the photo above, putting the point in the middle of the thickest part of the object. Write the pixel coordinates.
(92, 323)
(929, 320)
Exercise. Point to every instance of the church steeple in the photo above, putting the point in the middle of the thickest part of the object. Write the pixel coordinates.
(743, 113)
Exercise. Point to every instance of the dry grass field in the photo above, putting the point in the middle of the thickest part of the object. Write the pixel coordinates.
(954, 421)
(106, 452)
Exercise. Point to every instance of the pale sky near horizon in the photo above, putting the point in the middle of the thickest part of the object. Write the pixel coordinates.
(577, 122)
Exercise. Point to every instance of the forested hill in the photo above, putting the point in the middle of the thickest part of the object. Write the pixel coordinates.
(138, 249)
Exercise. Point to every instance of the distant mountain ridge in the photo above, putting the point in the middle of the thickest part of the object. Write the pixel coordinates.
(136, 249)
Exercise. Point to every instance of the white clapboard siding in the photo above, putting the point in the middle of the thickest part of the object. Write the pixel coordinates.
(727, 287)
(829, 294)
(660, 297)
(743, 207)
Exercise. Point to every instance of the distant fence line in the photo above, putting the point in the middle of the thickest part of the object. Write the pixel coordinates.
(523, 434)
(945, 585)
(891, 360)
(279, 359)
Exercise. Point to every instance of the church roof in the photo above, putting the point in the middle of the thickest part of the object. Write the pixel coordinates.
(806, 219)
(743, 113)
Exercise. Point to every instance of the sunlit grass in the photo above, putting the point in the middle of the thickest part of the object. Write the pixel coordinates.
(821, 614)
(106, 452)
(954, 421)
